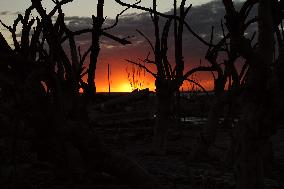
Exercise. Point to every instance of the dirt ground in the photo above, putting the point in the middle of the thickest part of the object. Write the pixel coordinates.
(175, 169)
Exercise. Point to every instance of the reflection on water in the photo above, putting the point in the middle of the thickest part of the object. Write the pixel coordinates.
(194, 120)
(201, 120)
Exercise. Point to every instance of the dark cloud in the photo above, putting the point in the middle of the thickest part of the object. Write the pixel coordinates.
(200, 18)
(3, 13)
(16, 13)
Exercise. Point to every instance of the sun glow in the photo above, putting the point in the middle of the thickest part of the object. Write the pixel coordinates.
(124, 87)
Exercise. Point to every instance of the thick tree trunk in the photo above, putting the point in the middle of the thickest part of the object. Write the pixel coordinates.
(252, 145)
(164, 118)
(96, 34)
(253, 132)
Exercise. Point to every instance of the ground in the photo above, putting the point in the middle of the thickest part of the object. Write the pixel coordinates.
(174, 170)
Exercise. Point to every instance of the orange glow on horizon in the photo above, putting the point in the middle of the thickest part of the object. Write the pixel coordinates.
(119, 81)
(119, 86)
(124, 87)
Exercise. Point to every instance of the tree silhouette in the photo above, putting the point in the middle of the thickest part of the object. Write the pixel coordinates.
(227, 73)
(135, 77)
(251, 84)
(252, 133)
(95, 48)
(40, 82)
(169, 76)
(41, 85)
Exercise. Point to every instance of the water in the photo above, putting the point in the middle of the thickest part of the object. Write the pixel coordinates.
(194, 120)
(200, 120)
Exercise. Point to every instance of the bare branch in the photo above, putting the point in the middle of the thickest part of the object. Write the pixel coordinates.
(5, 26)
(27, 25)
(225, 42)
(251, 21)
(165, 16)
(246, 8)
(117, 17)
(199, 85)
(198, 69)
(58, 5)
(164, 49)
(142, 66)
(4, 47)
(148, 40)
(195, 34)
(244, 70)
(84, 73)
(122, 41)
(12, 30)
(147, 60)
(85, 55)
(187, 10)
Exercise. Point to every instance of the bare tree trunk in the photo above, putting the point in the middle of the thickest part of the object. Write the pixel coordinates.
(164, 117)
(253, 133)
(250, 149)
(96, 33)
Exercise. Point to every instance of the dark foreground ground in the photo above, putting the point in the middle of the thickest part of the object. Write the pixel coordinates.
(174, 169)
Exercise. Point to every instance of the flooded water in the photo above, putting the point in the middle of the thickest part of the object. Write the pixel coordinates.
(200, 120)
(194, 120)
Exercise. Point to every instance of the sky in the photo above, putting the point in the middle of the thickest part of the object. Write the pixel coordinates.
(202, 16)
(88, 7)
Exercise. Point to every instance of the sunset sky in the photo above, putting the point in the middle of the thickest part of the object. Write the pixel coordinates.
(202, 16)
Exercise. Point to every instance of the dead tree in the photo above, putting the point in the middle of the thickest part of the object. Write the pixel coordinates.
(253, 134)
(226, 74)
(95, 48)
(278, 68)
(208, 134)
(97, 31)
(57, 134)
(169, 76)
